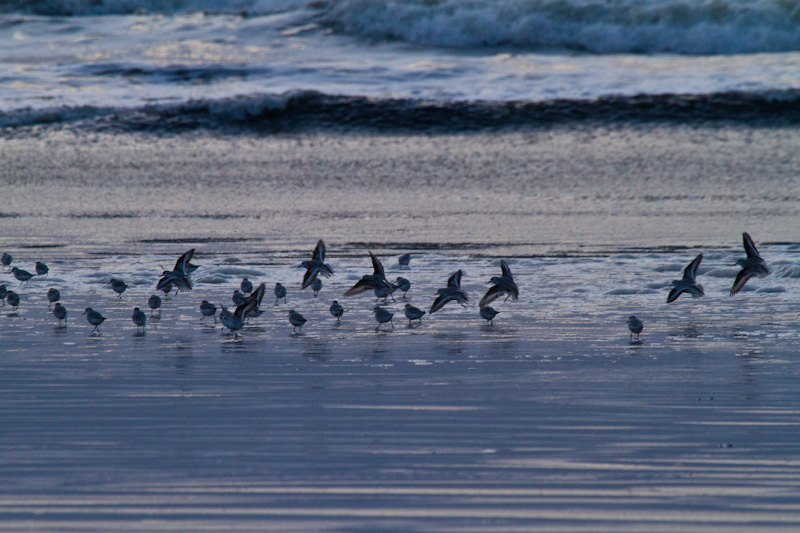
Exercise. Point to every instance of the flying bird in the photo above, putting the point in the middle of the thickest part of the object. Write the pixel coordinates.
(503, 284)
(316, 265)
(687, 283)
(179, 276)
(376, 281)
(753, 265)
(450, 293)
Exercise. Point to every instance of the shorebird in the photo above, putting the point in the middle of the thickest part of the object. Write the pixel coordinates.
(404, 261)
(488, 313)
(376, 280)
(413, 313)
(233, 321)
(251, 304)
(385, 292)
(296, 320)
(22, 275)
(635, 326)
(687, 283)
(13, 300)
(237, 298)
(154, 302)
(316, 265)
(450, 293)
(280, 292)
(6, 259)
(753, 265)
(208, 309)
(117, 285)
(53, 296)
(60, 312)
(179, 276)
(382, 316)
(41, 268)
(402, 284)
(166, 288)
(246, 286)
(139, 318)
(3, 293)
(503, 284)
(94, 318)
(337, 310)
(316, 286)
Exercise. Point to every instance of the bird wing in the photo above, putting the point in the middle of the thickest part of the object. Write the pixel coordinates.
(319, 251)
(491, 295)
(377, 266)
(690, 271)
(741, 279)
(505, 269)
(455, 280)
(182, 264)
(259, 294)
(749, 246)
(440, 302)
(310, 276)
(363, 285)
(674, 293)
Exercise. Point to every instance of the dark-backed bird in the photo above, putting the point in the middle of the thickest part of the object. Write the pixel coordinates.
(179, 276)
(451, 293)
(752, 266)
(687, 283)
(501, 285)
(375, 281)
(316, 265)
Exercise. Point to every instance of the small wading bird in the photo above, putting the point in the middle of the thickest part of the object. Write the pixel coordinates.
(60, 312)
(502, 285)
(404, 261)
(246, 286)
(53, 296)
(13, 300)
(280, 292)
(253, 302)
(488, 313)
(139, 318)
(413, 313)
(117, 285)
(382, 316)
(635, 326)
(316, 266)
(450, 293)
(3, 293)
(154, 303)
(23, 276)
(41, 268)
(402, 285)
(179, 276)
(316, 286)
(208, 309)
(337, 310)
(6, 259)
(296, 320)
(752, 266)
(376, 281)
(687, 283)
(94, 318)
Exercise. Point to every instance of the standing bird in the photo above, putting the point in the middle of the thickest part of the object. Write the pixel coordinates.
(6, 260)
(139, 318)
(41, 269)
(60, 312)
(687, 283)
(22, 275)
(166, 289)
(404, 261)
(384, 292)
(316, 286)
(233, 321)
(413, 313)
(246, 286)
(503, 284)
(753, 265)
(382, 316)
(402, 284)
(117, 285)
(208, 309)
(252, 303)
(53, 296)
(450, 293)
(154, 303)
(237, 298)
(488, 313)
(3, 293)
(635, 326)
(316, 265)
(296, 320)
(179, 276)
(280, 292)
(13, 300)
(376, 281)
(94, 318)
(337, 310)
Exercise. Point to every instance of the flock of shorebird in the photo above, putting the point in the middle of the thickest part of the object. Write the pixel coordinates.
(248, 298)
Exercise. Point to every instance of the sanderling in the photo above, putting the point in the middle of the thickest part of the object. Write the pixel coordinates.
(41, 268)
(403, 285)
(450, 293)
(413, 313)
(316, 265)
(503, 284)
(404, 261)
(22, 275)
(179, 276)
(296, 320)
(337, 310)
(166, 288)
(251, 304)
(117, 285)
(280, 292)
(139, 318)
(237, 298)
(60, 312)
(376, 280)
(385, 292)
(754, 265)
(94, 318)
(3, 293)
(7, 259)
(246, 286)
(316, 286)
(233, 321)
(53, 296)
(687, 283)
(154, 302)
(488, 313)
(13, 300)
(208, 309)
(382, 316)
(635, 326)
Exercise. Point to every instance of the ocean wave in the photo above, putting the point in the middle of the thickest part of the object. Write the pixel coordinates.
(65, 8)
(302, 110)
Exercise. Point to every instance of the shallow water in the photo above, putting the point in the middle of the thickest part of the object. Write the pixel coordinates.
(552, 419)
